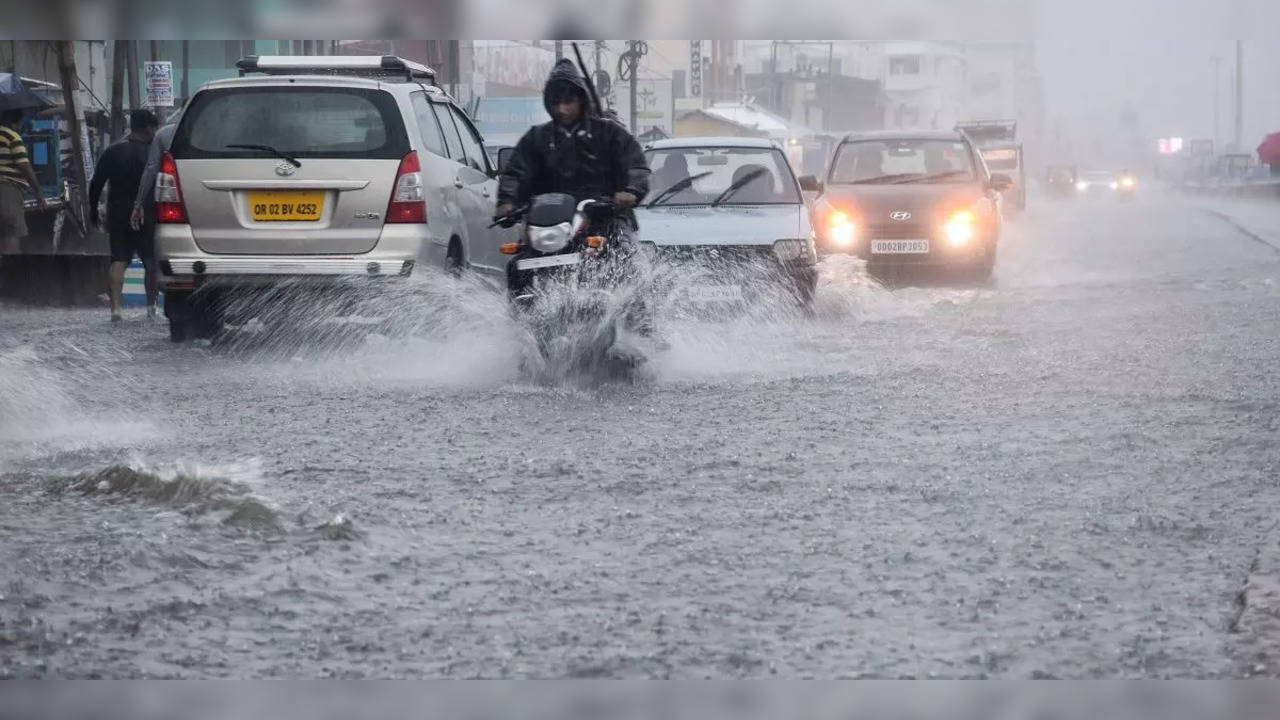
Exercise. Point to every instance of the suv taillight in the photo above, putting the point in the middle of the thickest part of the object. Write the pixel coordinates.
(169, 206)
(408, 198)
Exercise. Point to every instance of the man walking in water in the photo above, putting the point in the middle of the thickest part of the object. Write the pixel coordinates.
(122, 166)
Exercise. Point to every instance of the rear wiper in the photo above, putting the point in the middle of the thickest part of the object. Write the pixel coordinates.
(680, 185)
(268, 148)
(741, 183)
(930, 178)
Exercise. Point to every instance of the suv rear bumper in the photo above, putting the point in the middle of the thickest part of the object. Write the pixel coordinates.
(184, 266)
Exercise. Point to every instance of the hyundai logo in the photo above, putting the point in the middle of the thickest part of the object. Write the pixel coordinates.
(284, 168)
(899, 215)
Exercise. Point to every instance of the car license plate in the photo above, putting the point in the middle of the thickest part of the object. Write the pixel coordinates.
(286, 205)
(549, 261)
(715, 294)
(899, 247)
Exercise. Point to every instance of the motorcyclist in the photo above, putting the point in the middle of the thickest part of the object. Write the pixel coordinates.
(581, 153)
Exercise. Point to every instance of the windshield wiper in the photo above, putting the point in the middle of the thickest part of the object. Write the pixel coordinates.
(930, 178)
(680, 185)
(741, 183)
(268, 148)
(885, 179)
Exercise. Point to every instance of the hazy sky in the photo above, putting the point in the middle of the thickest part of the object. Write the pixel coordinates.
(1099, 55)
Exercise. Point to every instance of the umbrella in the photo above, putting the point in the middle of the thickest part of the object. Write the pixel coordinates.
(1269, 150)
(14, 95)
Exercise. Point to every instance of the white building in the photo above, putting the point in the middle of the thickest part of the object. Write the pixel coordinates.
(924, 83)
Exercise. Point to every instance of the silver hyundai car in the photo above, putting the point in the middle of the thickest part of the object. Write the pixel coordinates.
(330, 171)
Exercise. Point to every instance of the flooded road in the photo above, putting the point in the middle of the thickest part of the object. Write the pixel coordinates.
(1068, 473)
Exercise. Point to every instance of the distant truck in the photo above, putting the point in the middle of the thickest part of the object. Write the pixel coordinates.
(997, 141)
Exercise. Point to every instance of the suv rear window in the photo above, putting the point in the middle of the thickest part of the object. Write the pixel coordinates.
(303, 122)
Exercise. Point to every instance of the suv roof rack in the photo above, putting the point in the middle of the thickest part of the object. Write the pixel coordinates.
(360, 65)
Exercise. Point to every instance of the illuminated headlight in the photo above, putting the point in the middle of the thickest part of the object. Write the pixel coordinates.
(841, 230)
(1115, 186)
(795, 251)
(1082, 186)
(550, 239)
(959, 228)
(1127, 182)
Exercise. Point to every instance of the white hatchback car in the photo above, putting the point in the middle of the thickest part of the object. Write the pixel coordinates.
(731, 207)
(322, 170)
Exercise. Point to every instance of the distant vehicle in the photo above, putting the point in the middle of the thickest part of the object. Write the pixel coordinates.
(1060, 180)
(906, 200)
(1126, 185)
(997, 141)
(732, 209)
(329, 170)
(1098, 183)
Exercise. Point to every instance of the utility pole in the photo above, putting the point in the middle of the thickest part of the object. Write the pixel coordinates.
(629, 71)
(455, 71)
(67, 75)
(186, 69)
(155, 50)
(132, 59)
(774, 103)
(119, 66)
(559, 50)
(1239, 138)
(1217, 101)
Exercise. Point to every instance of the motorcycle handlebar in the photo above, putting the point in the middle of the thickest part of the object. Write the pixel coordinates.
(518, 213)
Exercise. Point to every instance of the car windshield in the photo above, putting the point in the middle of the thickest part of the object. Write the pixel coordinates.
(300, 122)
(873, 161)
(715, 170)
(1098, 176)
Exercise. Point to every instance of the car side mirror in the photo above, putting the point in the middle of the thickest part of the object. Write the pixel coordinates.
(504, 157)
(809, 183)
(1000, 182)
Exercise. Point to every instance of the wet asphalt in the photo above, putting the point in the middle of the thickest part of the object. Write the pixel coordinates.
(1068, 473)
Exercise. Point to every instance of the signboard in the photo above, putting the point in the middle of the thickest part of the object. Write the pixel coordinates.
(1169, 146)
(505, 118)
(512, 64)
(655, 107)
(695, 68)
(1202, 148)
(159, 75)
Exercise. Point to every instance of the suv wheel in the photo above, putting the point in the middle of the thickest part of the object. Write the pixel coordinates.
(176, 307)
(453, 262)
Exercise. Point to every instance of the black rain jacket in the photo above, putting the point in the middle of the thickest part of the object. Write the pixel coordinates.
(595, 159)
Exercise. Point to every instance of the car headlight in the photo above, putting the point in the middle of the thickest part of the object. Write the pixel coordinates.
(1115, 185)
(1127, 182)
(1082, 186)
(842, 231)
(798, 250)
(550, 239)
(959, 228)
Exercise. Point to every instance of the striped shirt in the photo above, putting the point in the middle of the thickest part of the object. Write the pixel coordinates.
(13, 152)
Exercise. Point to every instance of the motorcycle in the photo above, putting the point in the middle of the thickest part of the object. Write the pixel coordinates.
(573, 281)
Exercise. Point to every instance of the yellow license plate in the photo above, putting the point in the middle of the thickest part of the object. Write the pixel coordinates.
(294, 205)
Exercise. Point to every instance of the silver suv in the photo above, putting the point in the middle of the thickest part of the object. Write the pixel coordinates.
(323, 171)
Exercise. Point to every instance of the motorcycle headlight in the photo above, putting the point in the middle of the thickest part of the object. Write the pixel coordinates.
(798, 250)
(550, 239)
